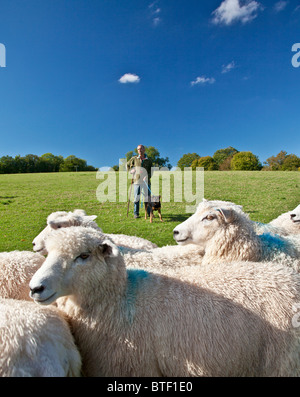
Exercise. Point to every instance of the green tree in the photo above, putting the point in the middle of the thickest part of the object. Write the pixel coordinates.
(32, 163)
(73, 163)
(7, 165)
(187, 159)
(245, 161)
(20, 165)
(222, 154)
(291, 163)
(208, 163)
(50, 163)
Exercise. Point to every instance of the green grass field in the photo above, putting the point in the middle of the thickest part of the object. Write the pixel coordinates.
(27, 199)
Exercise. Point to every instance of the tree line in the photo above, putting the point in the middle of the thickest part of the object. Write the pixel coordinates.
(48, 162)
(231, 159)
(223, 160)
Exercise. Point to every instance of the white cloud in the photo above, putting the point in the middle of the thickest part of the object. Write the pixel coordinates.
(129, 78)
(280, 5)
(229, 67)
(231, 11)
(155, 12)
(203, 80)
(156, 21)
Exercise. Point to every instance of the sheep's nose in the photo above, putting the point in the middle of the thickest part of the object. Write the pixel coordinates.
(175, 233)
(293, 215)
(37, 290)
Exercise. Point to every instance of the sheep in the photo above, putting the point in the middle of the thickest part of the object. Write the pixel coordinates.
(78, 217)
(229, 321)
(16, 270)
(289, 221)
(35, 341)
(163, 258)
(149, 257)
(226, 233)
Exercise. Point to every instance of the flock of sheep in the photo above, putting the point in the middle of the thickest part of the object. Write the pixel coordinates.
(222, 302)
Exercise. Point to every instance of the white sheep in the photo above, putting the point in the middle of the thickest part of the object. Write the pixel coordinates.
(151, 257)
(163, 258)
(289, 221)
(35, 342)
(16, 270)
(60, 219)
(229, 321)
(226, 233)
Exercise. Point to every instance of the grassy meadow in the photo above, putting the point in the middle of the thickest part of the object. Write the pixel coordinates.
(27, 199)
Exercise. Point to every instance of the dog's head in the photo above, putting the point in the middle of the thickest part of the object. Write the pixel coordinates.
(155, 202)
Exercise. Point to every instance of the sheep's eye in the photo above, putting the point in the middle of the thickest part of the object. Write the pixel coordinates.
(58, 226)
(209, 218)
(83, 256)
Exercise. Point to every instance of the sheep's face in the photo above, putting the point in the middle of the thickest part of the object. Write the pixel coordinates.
(202, 226)
(295, 215)
(75, 255)
(58, 220)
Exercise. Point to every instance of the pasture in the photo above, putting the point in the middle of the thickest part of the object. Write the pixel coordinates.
(27, 199)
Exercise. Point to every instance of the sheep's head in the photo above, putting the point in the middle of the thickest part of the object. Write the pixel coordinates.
(57, 220)
(295, 215)
(209, 218)
(75, 254)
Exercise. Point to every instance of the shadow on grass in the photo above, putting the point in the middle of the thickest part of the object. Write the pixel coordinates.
(175, 217)
(6, 200)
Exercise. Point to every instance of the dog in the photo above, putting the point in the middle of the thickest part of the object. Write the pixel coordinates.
(154, 205)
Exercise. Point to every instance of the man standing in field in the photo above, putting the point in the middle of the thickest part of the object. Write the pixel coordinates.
(140, 168)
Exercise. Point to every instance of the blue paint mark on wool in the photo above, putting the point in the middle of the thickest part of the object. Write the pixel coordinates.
(273, 243)
(134, 279)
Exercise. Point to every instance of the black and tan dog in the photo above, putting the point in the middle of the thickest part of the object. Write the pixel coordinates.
(154, 205)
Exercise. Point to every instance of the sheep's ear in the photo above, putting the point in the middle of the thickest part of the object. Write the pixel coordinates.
(52, 224)
(108, 249)
(91, 217)
(227, 214)
(79, 212)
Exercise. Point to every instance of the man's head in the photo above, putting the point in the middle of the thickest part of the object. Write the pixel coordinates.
(141, 150)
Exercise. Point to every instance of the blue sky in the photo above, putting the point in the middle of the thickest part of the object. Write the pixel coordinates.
(95, 78)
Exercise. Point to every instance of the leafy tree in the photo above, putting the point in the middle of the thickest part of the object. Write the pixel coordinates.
(275, 163)
(222, 154)
(187, 159)
(7, 165)
(50, 163)
(73, 163)
(32, 163)
(130, 154)
(208, 163)
(245, 161)
(226, 165)
(291, 163)
(20, 165)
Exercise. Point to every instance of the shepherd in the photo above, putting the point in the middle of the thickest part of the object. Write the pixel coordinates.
(140, 168)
